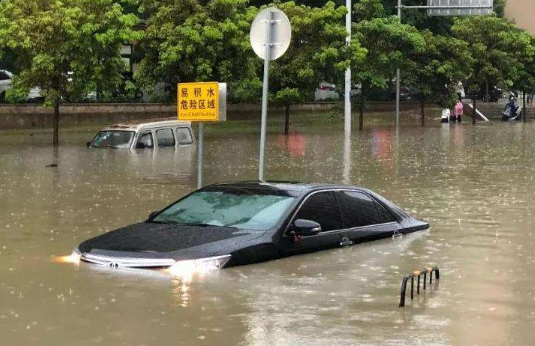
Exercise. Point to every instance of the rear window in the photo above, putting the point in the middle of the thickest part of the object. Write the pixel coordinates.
(359, 210)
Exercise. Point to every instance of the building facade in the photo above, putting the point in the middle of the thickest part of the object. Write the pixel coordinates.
(522, 12)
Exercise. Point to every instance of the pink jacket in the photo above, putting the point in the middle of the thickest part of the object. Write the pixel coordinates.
(459, 108)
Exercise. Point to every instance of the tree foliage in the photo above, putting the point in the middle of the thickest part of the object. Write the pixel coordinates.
(391, 45)
(495, 44)
(192, 40)
(525, 77)
(65, 47)
(318, 52)
(444, 63)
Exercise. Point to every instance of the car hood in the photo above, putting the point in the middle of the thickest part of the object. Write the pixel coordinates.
(154, 240)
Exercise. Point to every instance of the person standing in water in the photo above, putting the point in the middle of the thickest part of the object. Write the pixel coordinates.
(459, 111)
(446, 115)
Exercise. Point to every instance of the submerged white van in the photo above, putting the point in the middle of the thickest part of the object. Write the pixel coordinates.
(147, 134)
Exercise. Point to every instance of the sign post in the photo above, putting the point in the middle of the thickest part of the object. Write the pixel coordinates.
(202, 102)
(265, 91)
(200, 155)
(270, 38)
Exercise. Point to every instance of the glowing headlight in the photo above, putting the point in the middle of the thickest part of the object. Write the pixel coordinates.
(74, 257)
(200, 265)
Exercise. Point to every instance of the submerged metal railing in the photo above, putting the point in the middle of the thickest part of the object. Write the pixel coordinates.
(417, 274)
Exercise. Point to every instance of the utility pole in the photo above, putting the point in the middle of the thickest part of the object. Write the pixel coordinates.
(347, 95)
(398, 82)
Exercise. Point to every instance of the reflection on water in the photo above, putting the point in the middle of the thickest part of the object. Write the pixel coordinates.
(294, 144)
(473, 184)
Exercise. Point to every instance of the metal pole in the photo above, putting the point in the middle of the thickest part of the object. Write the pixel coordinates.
(200, 155)
(265, 88)
(347, 158)
(347, 97)
(398, 77)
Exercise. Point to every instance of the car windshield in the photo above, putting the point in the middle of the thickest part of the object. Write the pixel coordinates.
(113, 139)
(243, 210)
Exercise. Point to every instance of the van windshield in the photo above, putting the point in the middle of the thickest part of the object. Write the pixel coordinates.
(113, 139)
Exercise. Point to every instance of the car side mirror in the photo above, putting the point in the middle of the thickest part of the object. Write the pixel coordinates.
(306, 227)
(140, 145)
(153, 214)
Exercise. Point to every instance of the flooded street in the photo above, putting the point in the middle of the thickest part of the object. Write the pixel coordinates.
(474, 185)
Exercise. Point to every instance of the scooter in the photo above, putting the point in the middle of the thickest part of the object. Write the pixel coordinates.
(512, 112)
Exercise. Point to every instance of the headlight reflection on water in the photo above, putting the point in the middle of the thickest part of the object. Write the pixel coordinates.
(183, 272)
(186, 269)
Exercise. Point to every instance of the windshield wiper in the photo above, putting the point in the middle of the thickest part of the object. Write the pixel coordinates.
(200, 224)
(164, 222)
(194, 224)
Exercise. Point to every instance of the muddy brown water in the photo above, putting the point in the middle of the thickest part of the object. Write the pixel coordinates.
(475, 185)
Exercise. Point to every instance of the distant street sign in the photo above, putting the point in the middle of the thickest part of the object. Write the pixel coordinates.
(202, 101)
(280, 36)
(459, 7)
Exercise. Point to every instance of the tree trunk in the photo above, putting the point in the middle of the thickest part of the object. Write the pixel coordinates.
(55, 140)
(524, 115)
(287, 121)
(422, 105)
(474, 111)
(487, 94)
(361, 109)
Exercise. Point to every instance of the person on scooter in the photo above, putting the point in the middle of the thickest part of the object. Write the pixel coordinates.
(511, 110)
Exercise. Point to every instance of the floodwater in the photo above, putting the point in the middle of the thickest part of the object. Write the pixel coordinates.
(475, 185)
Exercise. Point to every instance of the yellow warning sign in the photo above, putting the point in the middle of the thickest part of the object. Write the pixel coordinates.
(198, 101)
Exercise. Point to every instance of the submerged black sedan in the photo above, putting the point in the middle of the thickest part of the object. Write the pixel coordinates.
(241, 223)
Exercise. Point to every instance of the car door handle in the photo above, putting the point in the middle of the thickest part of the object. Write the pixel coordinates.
(346, 242)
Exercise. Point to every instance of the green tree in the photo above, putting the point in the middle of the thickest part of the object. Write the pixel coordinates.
(317, 53)
(368, 10)
(444, 63)
(65, 47)
(525, 78)
(495, 44)
(193, 40)
(390, 44)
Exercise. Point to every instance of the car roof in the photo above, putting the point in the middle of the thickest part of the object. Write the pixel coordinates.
(146, 124)
(9, 74)
(296, 188)
(300, 189)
